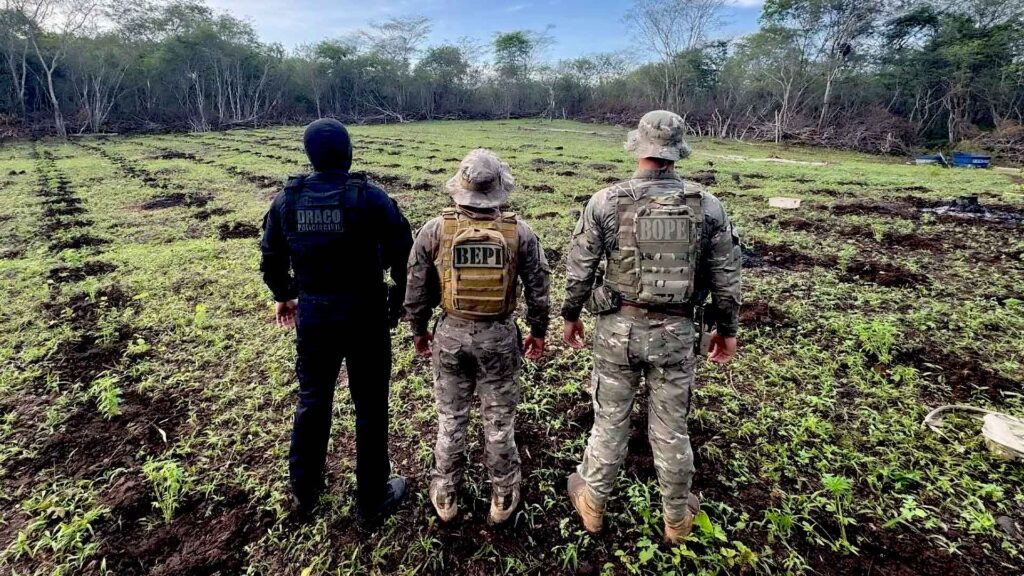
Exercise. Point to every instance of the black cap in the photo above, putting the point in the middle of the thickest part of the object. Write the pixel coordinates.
(328, 145)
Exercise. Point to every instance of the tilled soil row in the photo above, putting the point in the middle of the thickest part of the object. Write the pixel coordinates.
(129, 167)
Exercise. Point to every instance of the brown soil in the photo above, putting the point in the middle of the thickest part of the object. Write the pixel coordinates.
(545, 188)
(826, 192)
(206, 537)
(611, 179)
(957, 379)
(423, 185)
(884, 274)
(190, 199)
(705, 177)
(566, 173)
(895, 209)
(65, 274)
(757, 254)
(89, 445)
(436, 170)
(602, 167)
(554, 255)
(759, 313)
(232, 230)
(76, 242)
(11, 253)
(208, 213)
(261, 180)
(173, 155)
(389, 179)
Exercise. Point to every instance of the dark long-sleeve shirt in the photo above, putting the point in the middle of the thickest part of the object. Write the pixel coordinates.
(597, 235)
(348, 267)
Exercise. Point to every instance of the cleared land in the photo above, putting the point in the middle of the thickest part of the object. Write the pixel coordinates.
(147, 397)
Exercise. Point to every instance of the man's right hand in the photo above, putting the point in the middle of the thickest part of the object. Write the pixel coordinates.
(284, 313)
(573, 334)
(422, 343)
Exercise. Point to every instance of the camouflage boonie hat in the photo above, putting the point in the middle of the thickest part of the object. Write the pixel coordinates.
(482, 181)
(659, 135)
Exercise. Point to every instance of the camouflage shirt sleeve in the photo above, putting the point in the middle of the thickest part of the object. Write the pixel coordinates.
(721, 266)
(592, 240)
(423, 287)
(535, 274)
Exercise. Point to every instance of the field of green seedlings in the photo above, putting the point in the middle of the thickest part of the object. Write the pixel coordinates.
(146, 395)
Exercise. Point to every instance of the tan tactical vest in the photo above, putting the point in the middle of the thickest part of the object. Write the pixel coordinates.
(477, 265)
(660, 227)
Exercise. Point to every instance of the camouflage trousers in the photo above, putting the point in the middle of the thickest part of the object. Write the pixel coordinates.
(630, 344)
(483, 358)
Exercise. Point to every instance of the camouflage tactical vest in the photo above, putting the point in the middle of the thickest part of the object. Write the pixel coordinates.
(477, 265)
(660, 227)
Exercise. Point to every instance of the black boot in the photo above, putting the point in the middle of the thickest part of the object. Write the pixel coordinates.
(303, 507)
(393, 496)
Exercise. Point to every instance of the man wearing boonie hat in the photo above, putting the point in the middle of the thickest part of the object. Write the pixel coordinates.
(470, 261)
(666, 244)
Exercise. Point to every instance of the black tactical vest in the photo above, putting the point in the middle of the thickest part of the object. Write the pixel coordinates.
(332, 241)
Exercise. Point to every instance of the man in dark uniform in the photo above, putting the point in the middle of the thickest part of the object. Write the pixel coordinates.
(327, 240)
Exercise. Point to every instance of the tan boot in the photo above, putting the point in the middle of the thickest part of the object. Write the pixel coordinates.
(502, 507)
(591, 514)
(676, 532)
(446, 503)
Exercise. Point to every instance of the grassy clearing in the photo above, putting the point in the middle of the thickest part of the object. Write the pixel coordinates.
(146, 397)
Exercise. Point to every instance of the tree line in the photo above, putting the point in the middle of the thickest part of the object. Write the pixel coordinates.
(879, 75)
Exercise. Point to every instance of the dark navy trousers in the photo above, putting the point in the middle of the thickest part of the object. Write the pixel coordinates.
(324, 340)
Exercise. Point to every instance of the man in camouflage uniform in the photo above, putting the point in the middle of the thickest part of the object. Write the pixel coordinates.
(470, 261)
(666, 243)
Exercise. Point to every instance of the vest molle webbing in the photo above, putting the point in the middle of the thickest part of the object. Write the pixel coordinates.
(660, 226)
(477, 265)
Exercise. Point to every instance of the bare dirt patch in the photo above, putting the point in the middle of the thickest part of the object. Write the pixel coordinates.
(385, 180)
(757, 314)
(895, 209)
(544, 188)
(88, 444)
(757, 254)
(187, 199)
(64, 274)
(172, 155)
(208, 536)
(76, 242)
(602, 166)
(206, 214)
(957, 378)
(884, 274)
(233, 230)
(704, 177)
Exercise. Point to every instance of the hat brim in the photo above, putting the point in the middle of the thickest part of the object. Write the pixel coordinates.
(493, 198)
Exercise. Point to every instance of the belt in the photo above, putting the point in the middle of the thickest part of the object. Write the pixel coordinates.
(656, 311)
(459, 320)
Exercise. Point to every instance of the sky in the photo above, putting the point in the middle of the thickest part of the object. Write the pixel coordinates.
(579, 26)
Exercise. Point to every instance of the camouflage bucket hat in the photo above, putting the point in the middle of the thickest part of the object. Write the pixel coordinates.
(659, 135)
(482, 181)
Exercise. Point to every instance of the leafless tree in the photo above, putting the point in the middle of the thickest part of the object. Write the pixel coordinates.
(59, 22)
(670, 27)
